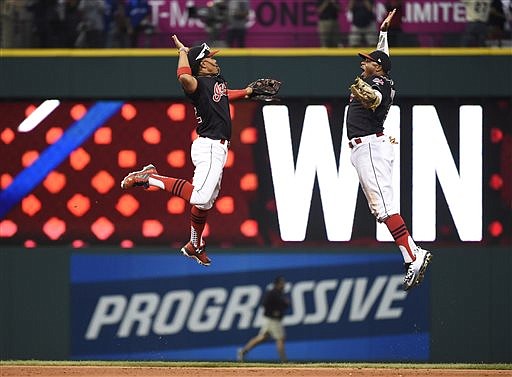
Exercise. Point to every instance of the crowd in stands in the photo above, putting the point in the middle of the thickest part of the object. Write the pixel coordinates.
(124, 23)
(74, 23)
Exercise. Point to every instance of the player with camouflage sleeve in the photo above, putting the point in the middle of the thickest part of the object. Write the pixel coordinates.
(372, 152)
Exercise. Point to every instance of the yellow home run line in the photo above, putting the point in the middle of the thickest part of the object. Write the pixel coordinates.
(241, 52)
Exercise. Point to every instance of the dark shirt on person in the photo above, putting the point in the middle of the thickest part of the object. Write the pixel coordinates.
(329, 13)
(275, 304)
(362, 121)
(211, 105)
(361, 15)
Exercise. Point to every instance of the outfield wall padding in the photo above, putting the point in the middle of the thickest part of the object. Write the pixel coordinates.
(470, 301)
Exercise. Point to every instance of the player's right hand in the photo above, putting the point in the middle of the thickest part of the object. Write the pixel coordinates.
(387, 21)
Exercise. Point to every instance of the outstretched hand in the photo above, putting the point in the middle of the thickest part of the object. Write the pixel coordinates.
(177, 42)
(387, 21)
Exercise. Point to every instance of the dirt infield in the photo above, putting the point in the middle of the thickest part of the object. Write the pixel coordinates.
(113, 371)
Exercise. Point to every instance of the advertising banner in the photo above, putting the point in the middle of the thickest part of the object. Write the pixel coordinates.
(289, 23)
(162, 307)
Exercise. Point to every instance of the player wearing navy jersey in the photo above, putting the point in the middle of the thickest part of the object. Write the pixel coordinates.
(199, 75)
(372, 152)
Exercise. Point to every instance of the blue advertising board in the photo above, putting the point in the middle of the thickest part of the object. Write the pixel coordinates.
(344, 307)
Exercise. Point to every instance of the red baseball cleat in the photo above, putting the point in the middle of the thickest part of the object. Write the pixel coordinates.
(139, 178)
(198, 253)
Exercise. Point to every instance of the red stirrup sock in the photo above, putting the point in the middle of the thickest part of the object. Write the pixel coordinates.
(176, 186)
(401, 235)
(197, 224)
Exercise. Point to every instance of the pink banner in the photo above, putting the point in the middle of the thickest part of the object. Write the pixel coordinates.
(288, 23)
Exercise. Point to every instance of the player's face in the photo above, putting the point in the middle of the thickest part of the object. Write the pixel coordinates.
(369, 67)
(210, 66)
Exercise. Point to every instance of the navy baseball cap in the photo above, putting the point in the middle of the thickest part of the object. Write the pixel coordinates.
(196, 55)
(379, 57)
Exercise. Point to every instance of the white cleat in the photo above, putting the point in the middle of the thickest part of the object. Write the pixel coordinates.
(240, 355)
(416, 270)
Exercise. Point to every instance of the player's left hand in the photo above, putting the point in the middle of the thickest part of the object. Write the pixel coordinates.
(264, 89)
(387, 21)
(177, 42)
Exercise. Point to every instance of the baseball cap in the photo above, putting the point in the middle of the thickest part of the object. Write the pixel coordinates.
(196, 54)
(379, 57)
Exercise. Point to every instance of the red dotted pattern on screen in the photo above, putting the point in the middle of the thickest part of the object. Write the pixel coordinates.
(81, 203)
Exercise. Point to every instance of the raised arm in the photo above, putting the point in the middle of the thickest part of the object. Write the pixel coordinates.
(382, 44)
(184, 72)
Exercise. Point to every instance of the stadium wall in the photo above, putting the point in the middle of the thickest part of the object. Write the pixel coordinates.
(467, 296)
(139, 74)
(49, 296)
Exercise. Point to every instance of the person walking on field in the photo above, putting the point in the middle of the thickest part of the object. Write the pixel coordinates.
(275, 303)
(372, 152)
(199, 76)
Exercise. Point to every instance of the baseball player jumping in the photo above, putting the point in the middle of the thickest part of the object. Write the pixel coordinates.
(372, 152)
(199, 76)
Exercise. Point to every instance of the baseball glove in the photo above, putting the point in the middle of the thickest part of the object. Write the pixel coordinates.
(364, 93)
(264, 89)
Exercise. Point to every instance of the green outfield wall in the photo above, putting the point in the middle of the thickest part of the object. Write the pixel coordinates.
(470, 302)
(125, 74)
(34, 294)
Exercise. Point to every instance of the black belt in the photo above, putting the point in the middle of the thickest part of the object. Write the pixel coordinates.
(358, 140)
(224, 141)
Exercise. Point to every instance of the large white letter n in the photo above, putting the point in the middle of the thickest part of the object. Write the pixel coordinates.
(432, 158)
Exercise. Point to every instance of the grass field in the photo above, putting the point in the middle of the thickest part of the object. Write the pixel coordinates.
(12, 368)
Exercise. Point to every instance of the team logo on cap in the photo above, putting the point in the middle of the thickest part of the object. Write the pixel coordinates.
(204, 52)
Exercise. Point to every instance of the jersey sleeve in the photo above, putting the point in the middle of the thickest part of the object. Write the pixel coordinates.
(195, 96)
(382, 44)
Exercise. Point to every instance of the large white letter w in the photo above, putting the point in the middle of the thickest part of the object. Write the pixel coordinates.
(293, 187)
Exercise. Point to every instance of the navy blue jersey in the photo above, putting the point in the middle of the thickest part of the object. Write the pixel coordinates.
(362, 121)
(211, 105)
(275, 304)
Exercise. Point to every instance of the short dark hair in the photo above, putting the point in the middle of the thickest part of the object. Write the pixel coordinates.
(279, 279)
